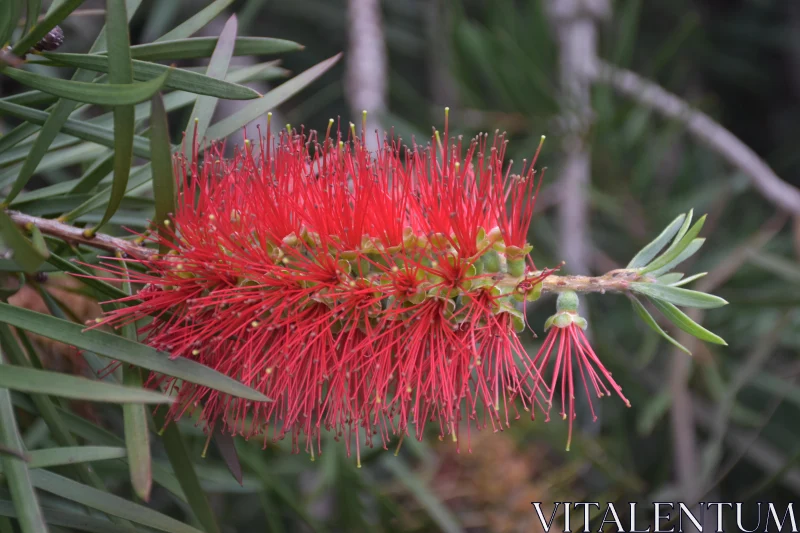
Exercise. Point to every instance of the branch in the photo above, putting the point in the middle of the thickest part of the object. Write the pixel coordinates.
(75, 235)
(614, 281)
(705, 129)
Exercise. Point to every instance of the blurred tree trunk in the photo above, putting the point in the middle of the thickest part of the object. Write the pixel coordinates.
(366, 74)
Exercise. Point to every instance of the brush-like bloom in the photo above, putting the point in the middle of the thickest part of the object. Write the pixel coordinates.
(361, 292)
(574, 357)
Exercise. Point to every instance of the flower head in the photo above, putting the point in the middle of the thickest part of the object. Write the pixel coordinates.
(574, 357)
(363, 293)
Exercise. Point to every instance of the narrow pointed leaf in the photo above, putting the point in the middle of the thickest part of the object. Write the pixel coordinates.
(196, 22)
(676, 247)
(124, 350)
(41, 29)
(120, 72)
(107, 503)
(67, 519)
(648, 319)
(688, 280)
(77, 388)
(90, 93)
(181, 462)
(204, 108)
(137, 438)
(179, 79)
(680, 319)
(25, 254)
(647, 253)
(59, 113)
(227, 449)
(163, 178)
(270, 100)
(77, 128)
(198, 47)
(69, 455)
(678, 296)
(687, 252)
(16, 471)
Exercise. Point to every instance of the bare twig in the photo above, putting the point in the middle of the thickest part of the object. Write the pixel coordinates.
(76, 235)
(708, 131)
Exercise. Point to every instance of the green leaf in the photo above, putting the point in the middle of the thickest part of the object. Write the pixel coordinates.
(86, 277)
(77, 388)
(16, 470)
(9, 15)
(227, 449)
(25, 254)
(647, 253)
(679, 318)
(648, 319)
(687, 252)
(81, 522)
(69, 455)
(688, 280)
(77, 128)
(137, 438)
(440, 514)
(32, 16)
(196, 22)
(49, 22)
(91, 93)
(120, 72)
(163, 178)
(677, 247)
(198, 47)
(181, 462)
(270, 100)
(179, 79)
(204, 108)
(59, 113)
(678, 296)
(669, 279)
(106, 502)
(125, 350)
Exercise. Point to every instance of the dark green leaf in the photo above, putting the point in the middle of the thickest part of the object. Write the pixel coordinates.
(16, 470)
(204, 46)
(79, 521)
(77, 388)
(77, 128)
(71, 455)
(181, 462)
(137, 438)
(163, 178)
(42, 28)
(196, 22)
(179, 79)
(106, 502)
(90, 93)
(124, 350)
(24, 252)
(227, 449)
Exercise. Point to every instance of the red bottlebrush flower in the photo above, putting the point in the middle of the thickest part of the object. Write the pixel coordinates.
(572, 352)
(360, 292)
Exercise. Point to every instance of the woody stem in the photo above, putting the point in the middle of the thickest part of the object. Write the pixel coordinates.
(613, 281)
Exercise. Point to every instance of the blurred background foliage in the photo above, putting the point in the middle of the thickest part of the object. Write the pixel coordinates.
(721, 426)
